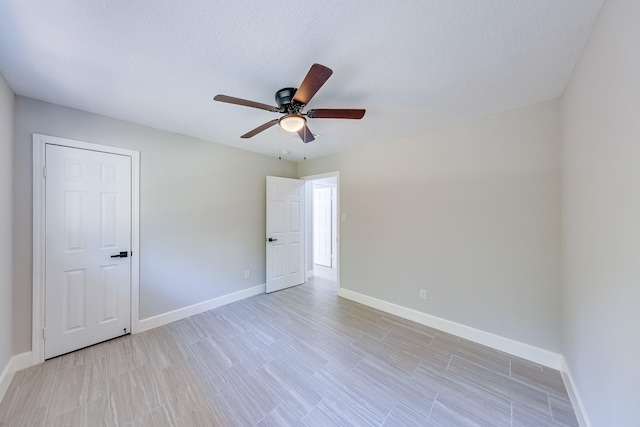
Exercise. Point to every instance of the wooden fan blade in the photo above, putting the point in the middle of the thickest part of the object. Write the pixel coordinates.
(334, 113)
(305, 134)
(315, 78)
(260, 129)
(244, 102)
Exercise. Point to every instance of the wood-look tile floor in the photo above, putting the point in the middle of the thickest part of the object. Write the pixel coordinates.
(300, 357)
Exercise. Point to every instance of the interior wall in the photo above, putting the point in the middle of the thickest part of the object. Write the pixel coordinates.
(202, 209)
(7, 100)
(469, 212)
(601, 218)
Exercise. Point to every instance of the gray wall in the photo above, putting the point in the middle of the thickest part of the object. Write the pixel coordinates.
(201, 214)
(470, 212)
(601, 218)
(6, 227)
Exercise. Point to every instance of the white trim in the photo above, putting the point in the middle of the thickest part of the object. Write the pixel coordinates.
(507, 345)
(37, 314)
(20, 361)
(574, 396)
(15, 364)
(39, 146)
(309, 274)
(5, 379)
(201, 307)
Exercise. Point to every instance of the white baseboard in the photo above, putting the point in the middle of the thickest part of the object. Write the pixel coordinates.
(309, 274)
(574, 396)
(15, 364)
(507, 345)
(526, 351)
(201, 307)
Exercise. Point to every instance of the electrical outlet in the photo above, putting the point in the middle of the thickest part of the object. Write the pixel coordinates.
(423, 294)
(247, 274)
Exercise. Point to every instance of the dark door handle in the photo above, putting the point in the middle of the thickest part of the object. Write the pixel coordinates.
(271, 239)
(121, 255)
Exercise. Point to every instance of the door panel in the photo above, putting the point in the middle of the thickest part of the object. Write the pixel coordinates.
(276, 216)
(109, 292)
(73, 294)
(294, 258)
(295, 223)
(87, 220)
(74, 221)
(285, 227)
(277, 261)
(108, 220)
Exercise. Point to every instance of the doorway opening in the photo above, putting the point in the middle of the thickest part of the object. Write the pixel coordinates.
(322, 254)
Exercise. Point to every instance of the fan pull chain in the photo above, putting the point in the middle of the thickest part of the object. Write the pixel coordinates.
(280, 144)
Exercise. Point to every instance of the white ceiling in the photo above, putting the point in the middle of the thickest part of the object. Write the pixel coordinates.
(413, 64)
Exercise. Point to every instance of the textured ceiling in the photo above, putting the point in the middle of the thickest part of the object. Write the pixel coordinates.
(413, 64)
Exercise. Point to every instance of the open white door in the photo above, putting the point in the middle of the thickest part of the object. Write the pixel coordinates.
(88, 242)
(322, 225)
(285, 233)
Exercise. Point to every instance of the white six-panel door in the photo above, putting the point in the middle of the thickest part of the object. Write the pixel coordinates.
(88, 221)
(285, 233)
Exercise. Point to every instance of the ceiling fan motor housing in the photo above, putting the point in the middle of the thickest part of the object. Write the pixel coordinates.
(284, 99)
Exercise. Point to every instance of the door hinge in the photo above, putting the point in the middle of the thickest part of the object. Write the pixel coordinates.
(44, 172)
(44, 334)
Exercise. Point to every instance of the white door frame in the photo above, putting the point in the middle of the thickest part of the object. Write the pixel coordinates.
(309, 211)
(39, 146)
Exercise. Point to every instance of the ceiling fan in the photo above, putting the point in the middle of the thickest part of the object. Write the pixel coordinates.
(291, 102)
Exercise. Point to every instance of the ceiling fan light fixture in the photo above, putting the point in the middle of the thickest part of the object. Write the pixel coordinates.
(292, 122)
